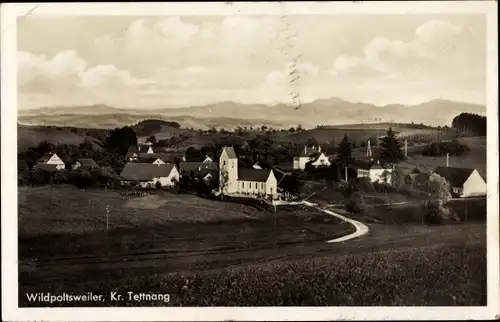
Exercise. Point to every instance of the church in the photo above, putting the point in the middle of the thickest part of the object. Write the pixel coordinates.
(242, 181)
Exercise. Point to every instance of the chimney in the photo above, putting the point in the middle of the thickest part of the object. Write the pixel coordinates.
(305, 149)
(368, 149)
(406, 147)
(447, 159)
(319, 148)
(378, 161)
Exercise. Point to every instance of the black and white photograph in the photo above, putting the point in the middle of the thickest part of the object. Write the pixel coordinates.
(246, 157)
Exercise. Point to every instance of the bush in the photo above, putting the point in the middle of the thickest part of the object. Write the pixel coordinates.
(364, 184)
(355, 203)
(437, 149)
(435, 212)
(81, 179)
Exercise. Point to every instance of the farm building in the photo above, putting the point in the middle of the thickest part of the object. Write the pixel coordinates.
(150, 159)
(46, 167)
(134, 151)
(234, 180)
(52, 159)
(207, 175)
(310, 154)
(464, 182)
(191, 168)
(87, 164)
(147, 175)
(376, 172)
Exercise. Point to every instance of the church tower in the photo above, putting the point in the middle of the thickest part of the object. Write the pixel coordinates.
(228, 170)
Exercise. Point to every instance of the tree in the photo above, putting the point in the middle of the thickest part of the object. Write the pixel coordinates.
(439, 193)
(223, 182)
(121, 139)
(391, 148)
(344, 152)
(398, 178)
(312, 141)
(87, 145)
(192, 154)
(152, 139)
(299, 128)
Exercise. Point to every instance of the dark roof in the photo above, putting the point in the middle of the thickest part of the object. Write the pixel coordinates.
(455, 176)
(46, 157)
(250, 174)
(230, 152)
(186, 166)
(45, 166)
(145, 171)
(203, 172)
(88, 163)
(147, 158)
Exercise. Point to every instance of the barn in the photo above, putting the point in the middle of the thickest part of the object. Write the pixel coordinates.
(464, 182)
(147, 175)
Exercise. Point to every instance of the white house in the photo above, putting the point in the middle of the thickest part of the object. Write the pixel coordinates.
(464, 182)
(147, 175)
(376, 172)
(241, 181)
(52, 159)
(310, 154)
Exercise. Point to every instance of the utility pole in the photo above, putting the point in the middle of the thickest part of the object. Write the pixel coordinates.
(107, 218)
(465, 209)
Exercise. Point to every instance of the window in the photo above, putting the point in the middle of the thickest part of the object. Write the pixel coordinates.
(262, 186)
(256, 185)
(243, 185)
(224, 163)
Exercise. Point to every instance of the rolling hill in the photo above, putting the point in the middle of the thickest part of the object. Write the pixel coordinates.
(229, 115)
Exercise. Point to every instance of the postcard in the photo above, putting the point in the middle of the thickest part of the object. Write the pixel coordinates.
(250, 161)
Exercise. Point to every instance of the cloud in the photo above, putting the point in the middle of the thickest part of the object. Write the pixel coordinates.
(67, 77)
(437, 46)
(191, 60)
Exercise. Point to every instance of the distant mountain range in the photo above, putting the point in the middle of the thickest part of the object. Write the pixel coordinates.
(229, 115)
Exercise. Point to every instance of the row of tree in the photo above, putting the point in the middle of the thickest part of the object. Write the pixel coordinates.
(470, 122)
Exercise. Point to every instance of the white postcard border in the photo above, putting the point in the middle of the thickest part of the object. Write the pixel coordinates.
(10, 311)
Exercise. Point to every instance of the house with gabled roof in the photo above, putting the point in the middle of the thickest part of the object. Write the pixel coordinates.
(147, 175)
(188, 168)
(135, 150)
(53, 160)
(375, 171)
(148, 158)
(311, 155)
(244, 181)
(85, 163)
(464, 182)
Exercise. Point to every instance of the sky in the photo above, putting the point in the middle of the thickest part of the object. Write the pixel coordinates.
(180, 61)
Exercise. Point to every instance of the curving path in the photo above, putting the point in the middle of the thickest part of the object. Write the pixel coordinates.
(361, 229)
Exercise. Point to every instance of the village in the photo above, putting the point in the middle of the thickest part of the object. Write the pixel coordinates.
(146, 168)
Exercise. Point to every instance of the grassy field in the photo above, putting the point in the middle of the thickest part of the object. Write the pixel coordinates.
(476, 158)
(64, 221)
(208, 253)
(393, 265)
(32, 136)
